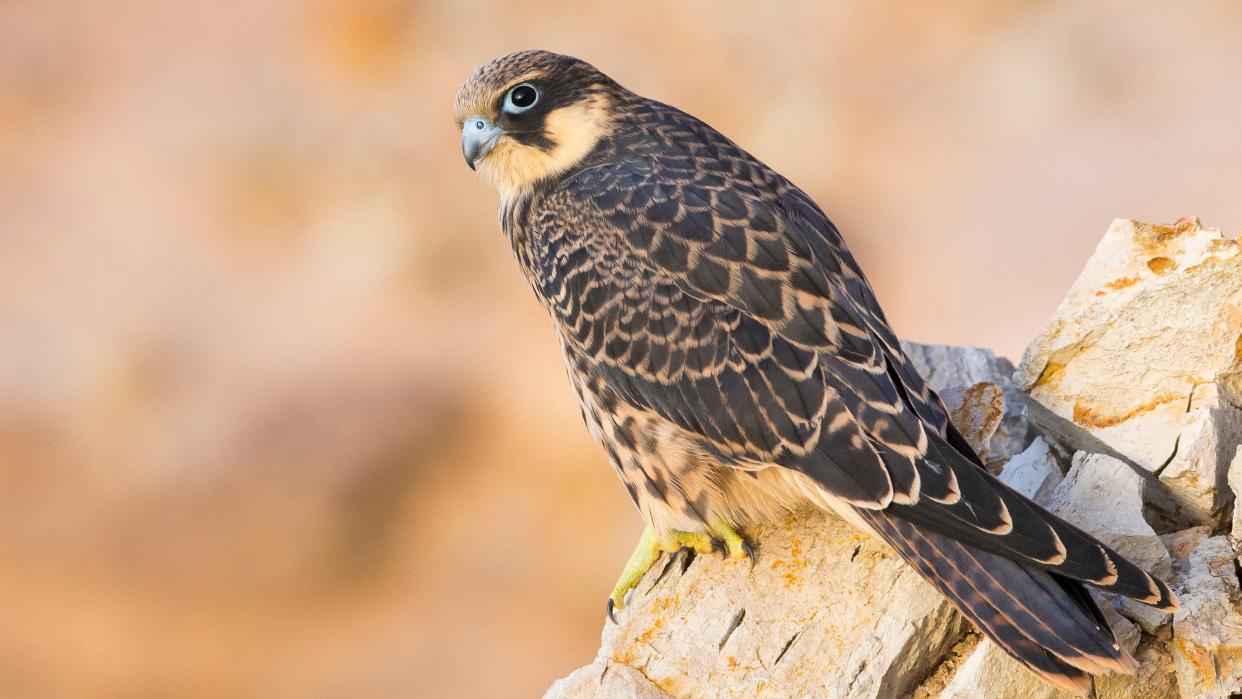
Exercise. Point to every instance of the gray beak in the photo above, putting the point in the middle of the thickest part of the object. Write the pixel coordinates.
(478, 137)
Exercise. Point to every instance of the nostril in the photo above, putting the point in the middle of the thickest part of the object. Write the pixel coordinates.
(479, 125)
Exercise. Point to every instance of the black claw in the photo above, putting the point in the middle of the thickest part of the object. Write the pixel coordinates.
(719, 547)
(750, 551)
(612, 609)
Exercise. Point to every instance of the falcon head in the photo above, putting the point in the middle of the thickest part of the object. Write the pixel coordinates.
(531, 115)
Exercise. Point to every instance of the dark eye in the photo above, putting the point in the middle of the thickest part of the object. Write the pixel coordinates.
(521, 98)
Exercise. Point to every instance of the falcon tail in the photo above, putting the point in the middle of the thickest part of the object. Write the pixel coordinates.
(1046, 621)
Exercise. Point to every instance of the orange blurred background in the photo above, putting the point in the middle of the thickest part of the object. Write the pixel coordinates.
(278, 414)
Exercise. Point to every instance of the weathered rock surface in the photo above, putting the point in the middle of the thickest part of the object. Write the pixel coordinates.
(1154, 318)
(1207, 630)
(1103, 496)
(977, 411)
(827, 611)
(1034, 473)
(1235, 484)
(605, 679)
(1181, 544)
(952, 370)
(1196, 474)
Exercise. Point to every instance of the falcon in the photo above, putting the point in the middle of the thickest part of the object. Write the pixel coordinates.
(731, 358)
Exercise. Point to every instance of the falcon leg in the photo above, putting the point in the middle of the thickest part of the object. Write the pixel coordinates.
(650, 546)
(722, 537)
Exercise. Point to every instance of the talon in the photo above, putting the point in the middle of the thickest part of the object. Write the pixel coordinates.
(735, 545)
(612, 608)
(718, 546)
(750, 553)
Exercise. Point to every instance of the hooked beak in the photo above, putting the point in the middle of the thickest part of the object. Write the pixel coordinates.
(478, 137)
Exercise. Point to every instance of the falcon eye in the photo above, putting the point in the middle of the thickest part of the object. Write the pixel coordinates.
(521, 98)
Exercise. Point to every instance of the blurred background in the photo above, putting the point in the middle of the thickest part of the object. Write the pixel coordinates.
(278, 414)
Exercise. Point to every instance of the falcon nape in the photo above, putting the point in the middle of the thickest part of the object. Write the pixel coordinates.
(731, 358)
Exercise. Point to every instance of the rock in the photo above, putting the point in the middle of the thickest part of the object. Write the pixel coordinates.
(1150, 619)
(977, 412)
(989, 673)
(934, 684)
(1235, 484)
(1034, 472)
(605, 679)
(1154, 678)
(1180, 545)
(1122, 359)
(1207, 630)
(950, 369)
(1197, 474)
(1103, 496)
(827, 611)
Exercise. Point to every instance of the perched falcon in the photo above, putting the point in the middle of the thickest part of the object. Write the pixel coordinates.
(731, 358)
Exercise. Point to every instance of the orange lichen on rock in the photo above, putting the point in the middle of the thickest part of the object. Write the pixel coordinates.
(1087, 414)
(794, 566)
(1153, 237)
(1117, 285)
(1051, 374)
(1161, 265)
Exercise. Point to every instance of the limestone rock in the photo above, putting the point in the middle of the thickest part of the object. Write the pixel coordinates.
(1196, 475)
(1181, 544)
(1207, 630)
(604, 678)
(1235, 484)
(977, 412)
(1153, 679)
(1117, 367)
(1034, 472)
(1103, 496)
(827, 611)
(950, 370)
(1149, 619)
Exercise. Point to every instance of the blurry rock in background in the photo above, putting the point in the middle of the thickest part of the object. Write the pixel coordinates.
(279, 416)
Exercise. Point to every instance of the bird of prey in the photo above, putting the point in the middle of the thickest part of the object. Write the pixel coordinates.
(732, 360)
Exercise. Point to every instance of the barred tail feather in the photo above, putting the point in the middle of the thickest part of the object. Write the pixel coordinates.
(1045, 621)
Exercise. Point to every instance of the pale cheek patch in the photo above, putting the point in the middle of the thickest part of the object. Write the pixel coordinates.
(574, 130)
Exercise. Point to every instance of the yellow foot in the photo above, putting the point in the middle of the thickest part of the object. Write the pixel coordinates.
(733, 544)
(722, 537)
